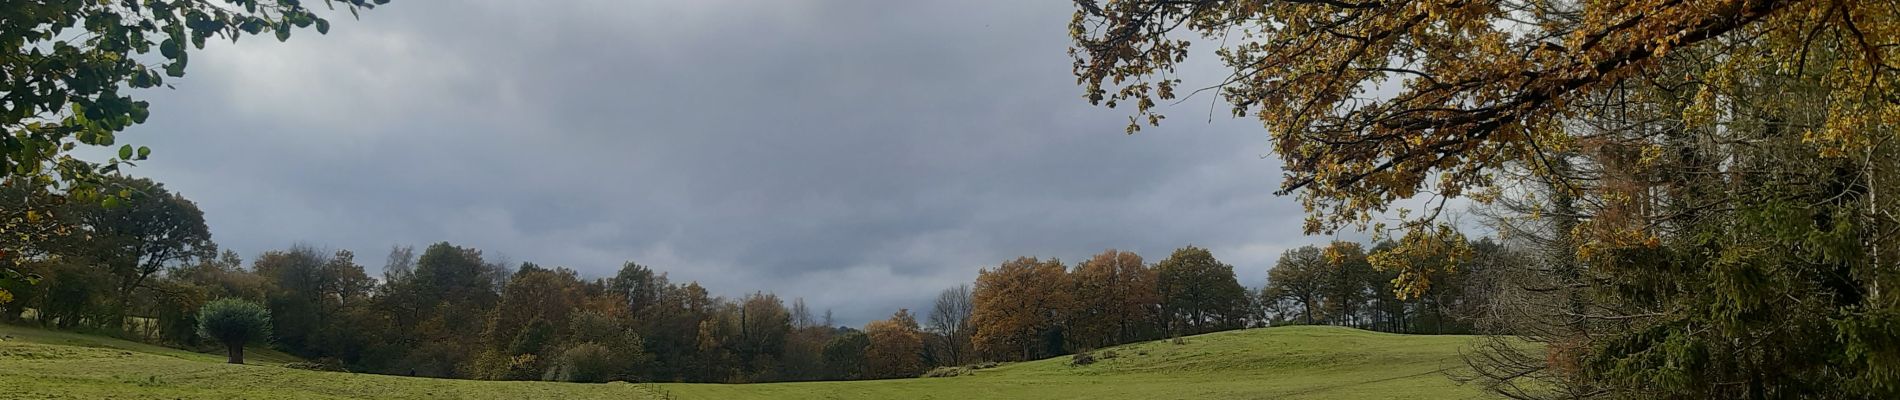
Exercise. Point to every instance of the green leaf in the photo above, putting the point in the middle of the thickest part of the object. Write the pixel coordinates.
(168, 48)
(140, 111)
(141, 80)
(283, 31)
(144, 152)
(323, 27)
(125, 152)
(110, 202)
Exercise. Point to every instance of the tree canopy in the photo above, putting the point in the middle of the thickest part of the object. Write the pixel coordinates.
(70, 62)
(1199, 293)
(1019, 306)
(234, 323)
(1372, 102)
(1703, 186)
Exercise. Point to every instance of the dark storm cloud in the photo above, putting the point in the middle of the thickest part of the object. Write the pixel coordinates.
(861, 155)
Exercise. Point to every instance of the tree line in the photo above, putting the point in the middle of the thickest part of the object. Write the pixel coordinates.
(1341, 284)
(144, 267)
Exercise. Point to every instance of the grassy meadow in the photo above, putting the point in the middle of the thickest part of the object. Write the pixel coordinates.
(1271, 363)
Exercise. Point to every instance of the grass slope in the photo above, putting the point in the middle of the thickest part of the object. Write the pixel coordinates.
(1290, 362)
(40, 364)
(1273, 363)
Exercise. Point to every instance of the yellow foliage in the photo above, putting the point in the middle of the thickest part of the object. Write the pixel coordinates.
(1369, 102)
(1424, 252)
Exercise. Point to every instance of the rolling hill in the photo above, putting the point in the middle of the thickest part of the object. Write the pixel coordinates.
(1270, 363)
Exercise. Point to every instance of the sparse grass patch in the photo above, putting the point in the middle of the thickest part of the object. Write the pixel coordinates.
(946, 372)
(1080, 359)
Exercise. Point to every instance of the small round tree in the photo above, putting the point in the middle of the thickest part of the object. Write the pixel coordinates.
(234, 323)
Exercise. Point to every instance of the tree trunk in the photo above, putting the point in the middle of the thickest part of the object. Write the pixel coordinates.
(117, 319)
(236, 353)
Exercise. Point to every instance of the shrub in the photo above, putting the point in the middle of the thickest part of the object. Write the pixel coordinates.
(844, 355)
(585, 362)
(1081, 359)
(234, 323)
(1110, 355)
(321, 364)
(71, 294)
(945, 372)
(304, 365)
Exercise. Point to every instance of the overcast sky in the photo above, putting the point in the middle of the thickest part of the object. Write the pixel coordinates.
(859, 154)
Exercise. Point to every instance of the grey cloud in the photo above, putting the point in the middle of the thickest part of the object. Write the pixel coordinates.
(861, 155)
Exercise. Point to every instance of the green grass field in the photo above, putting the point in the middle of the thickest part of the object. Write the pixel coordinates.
(1273, 363)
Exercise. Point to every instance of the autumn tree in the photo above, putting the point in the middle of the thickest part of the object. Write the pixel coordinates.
(521, 333)
(805, 345)
(224, 275)
(1199, 293)
(598, 347)
(1349, 283)
(311, 293)
(715, 356)
(446, 298)
(1116, 300)
(639, 284)
(1713, 173)
(143, 231)
(1388, 311)
(763, 326)
(845, 355)
(671, 327)
(1299, 276)
(1465, 100)
(897, 347)
(31, 226)
(1021, 307)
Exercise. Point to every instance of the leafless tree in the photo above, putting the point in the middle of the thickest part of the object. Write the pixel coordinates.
(950, 322)
(801, 315)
